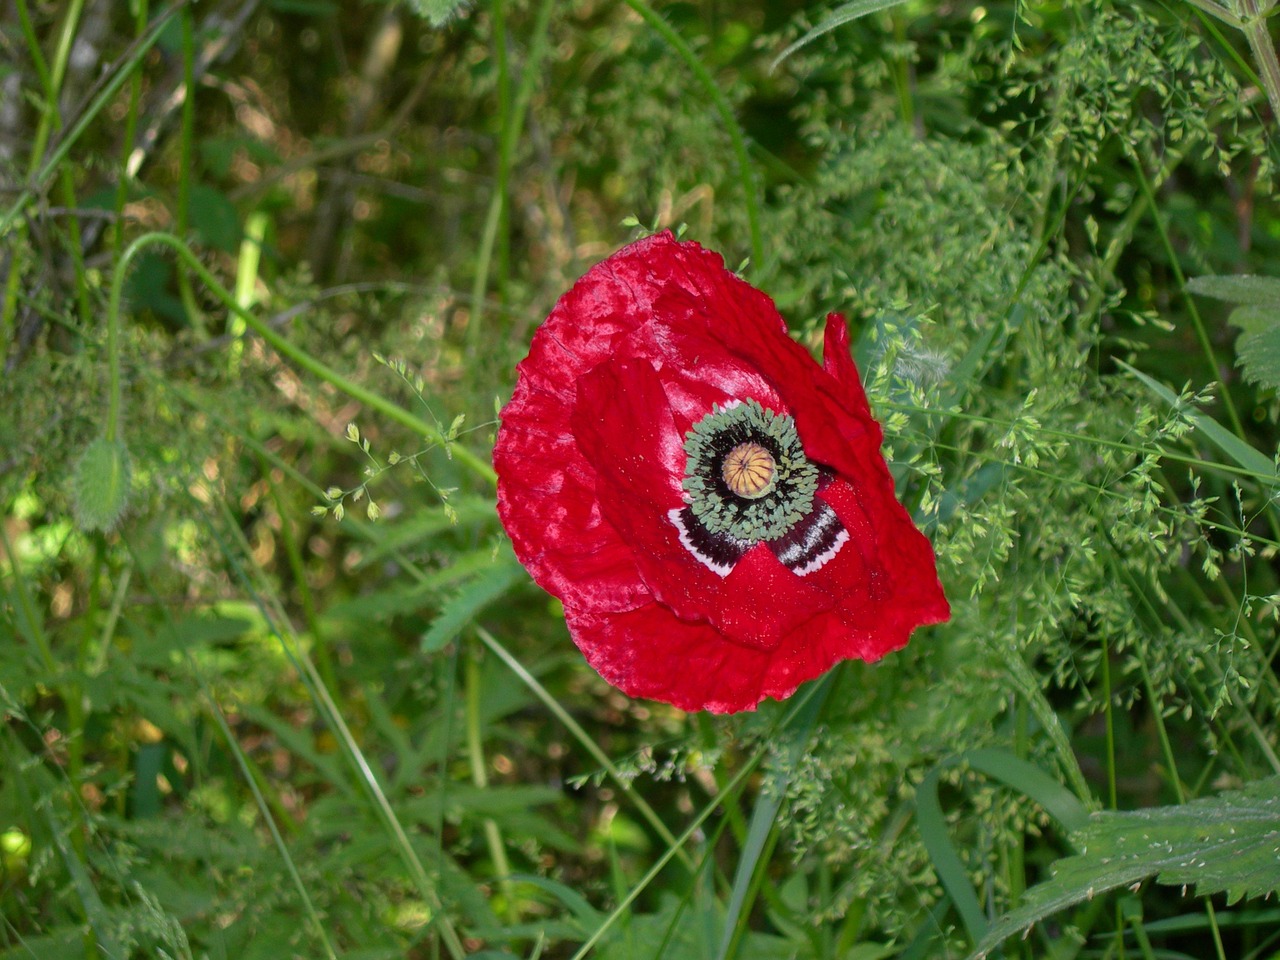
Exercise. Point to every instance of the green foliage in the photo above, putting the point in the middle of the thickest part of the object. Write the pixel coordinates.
(272, 681)
(438, 13)
(1223, 844)
(490, 585)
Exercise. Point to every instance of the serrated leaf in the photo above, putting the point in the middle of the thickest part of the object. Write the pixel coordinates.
(474, 597)
(1244, 290)
(1226, 844)
(1259, 356)
(1257, 316)
(1254, 319)
(438, 13)
(100, 486)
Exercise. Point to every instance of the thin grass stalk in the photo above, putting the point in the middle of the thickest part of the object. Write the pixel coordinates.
(1241, 625)
(365, 529)
(1162, 733)
(1156, 619)
(246, 281)
(130, 137)
(735, 784)
(25, 607)
(76, 705)
(1113, 795)
(762, 835)
(76, 859)
(506, 160)
(1257, 32)
(49, 117)
(1268, 480)
(901, 72)
(1026, 683)
(759, 877)
(694, 827)
(186, 138)
(448, 711)
(1015, 845)
(1175, 781)
(1185, 623)
(1085, 487)
(1202, 333)
(1110, 747)
(33, 48)
(293, 556)
(51, 90)
(733, 813)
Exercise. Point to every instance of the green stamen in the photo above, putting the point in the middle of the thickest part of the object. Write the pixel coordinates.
(746, 474)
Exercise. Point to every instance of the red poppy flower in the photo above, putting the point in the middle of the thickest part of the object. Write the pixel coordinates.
(710, 505)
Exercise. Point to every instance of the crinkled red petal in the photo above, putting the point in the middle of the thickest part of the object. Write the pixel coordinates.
(648, 652)
(889, 565)
(761, 601)
(626, 432)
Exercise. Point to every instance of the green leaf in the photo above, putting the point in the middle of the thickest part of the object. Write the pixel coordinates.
(836, 18)
(947, 864)
(100, 487)
(1254, 319)
(1258, 317)
(1226, 844)
(577, 904)
(475, 596)
(1243, 290)
(1259, 356)
(150, 287)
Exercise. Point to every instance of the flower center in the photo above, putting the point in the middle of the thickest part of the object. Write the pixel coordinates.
(749, 470)
(746, 474)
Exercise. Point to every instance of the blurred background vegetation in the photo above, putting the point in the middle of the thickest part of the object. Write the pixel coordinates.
(272, 684)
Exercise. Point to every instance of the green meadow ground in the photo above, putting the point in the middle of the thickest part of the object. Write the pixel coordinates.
(272, 683)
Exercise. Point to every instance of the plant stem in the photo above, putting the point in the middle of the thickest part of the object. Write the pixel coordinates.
(195, 316)
(1202, 334)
